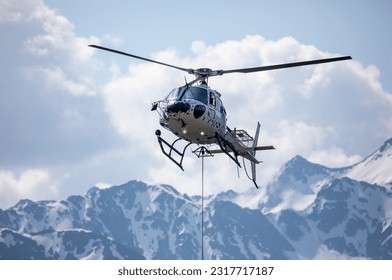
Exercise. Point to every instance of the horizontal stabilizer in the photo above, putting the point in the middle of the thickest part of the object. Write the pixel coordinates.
(263, 148)
(259, 148)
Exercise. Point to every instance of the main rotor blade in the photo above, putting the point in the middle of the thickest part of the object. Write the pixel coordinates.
(190, 71)
(285, 65)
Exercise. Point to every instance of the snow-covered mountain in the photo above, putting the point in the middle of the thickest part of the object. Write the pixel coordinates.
(308, 211)
(376, 168)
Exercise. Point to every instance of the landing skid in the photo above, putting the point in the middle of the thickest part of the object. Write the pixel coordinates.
(163, 143)
(227, 147)
(177, 156)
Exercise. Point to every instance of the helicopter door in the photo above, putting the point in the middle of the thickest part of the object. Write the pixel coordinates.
(212, 109)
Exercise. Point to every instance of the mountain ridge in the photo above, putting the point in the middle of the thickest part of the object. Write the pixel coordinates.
(307, 211)
(375, 168)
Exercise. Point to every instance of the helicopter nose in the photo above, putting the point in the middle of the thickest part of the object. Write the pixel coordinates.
(178, 107)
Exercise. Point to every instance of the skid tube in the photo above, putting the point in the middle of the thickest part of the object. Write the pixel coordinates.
(224, 145)
(163, 142)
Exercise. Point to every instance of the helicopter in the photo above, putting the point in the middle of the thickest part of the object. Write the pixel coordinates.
(195, 113)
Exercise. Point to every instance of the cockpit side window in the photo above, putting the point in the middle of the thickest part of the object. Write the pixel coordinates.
(196, 93)
(212, 99)
(222, 109)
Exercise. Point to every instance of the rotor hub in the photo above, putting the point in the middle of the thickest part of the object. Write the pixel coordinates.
(206, 72)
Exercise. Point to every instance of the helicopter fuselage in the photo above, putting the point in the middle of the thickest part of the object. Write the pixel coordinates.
(193, 113)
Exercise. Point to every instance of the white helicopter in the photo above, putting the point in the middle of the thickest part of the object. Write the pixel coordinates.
(195, 113)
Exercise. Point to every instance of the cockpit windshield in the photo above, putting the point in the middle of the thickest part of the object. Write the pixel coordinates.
(196, 93)
(173, 94)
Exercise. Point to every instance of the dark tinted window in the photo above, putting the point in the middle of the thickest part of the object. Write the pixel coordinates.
(197, 94)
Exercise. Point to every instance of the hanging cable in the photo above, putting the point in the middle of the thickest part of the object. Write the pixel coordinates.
(202, 207)
(202, 152)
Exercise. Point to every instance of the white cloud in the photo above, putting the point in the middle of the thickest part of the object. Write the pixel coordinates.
(63, 59)
(50, 72)
(31, 183)
(56, 80)
(295, 138)
(334, 157)
(46, 48)
(51, 112)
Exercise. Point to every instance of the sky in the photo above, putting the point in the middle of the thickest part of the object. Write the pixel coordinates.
(72, 117)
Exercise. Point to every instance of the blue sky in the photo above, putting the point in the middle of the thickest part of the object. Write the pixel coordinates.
(72, 117)
(144, 27)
